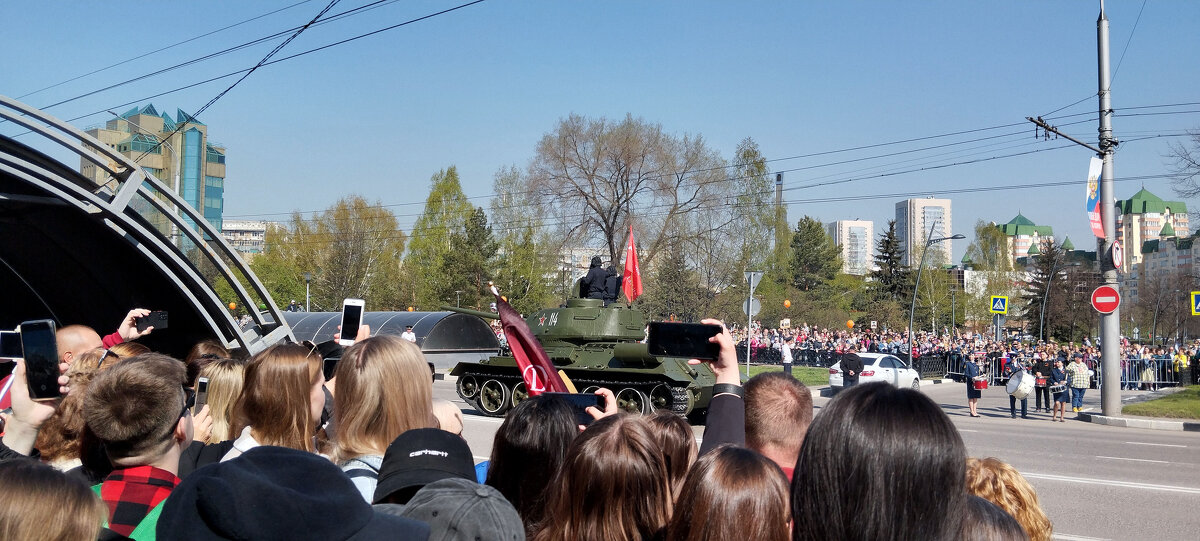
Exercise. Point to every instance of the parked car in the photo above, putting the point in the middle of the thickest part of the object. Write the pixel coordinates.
(878, 367)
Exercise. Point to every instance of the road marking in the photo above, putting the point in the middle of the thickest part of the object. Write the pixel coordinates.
(1134, 459)
(1107, 482)
(477, 457)
(1156, 444)
(967, 430)
(496, 420)
(1066, 537)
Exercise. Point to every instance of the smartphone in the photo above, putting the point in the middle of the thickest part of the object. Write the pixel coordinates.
(352, 314)
(10, 345)
(41, 359)
(201, 394)
(156, 319)
(683, 340)
(581, 401)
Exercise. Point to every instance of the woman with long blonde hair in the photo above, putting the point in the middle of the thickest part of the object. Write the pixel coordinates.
(281, 400)
(383, 389)
(225, 381)
(996, 481)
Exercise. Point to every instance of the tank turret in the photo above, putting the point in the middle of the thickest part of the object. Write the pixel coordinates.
(594, 346)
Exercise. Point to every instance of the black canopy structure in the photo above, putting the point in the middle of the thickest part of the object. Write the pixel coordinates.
(80, 251)
(446, 338)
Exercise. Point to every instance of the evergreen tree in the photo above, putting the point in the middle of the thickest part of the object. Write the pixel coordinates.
(446, 212)
(674, 289)
(467, 267)
(815, 259)
(891, 277)
(1046, 275)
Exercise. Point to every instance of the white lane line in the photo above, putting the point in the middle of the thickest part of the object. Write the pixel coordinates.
(477, 457)
(1156, 444)
(967, 430)
(1108, 482)
(1066, 537)
(1134, 459)
(496, 420)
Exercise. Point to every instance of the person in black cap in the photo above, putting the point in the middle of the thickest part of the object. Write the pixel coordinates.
(419, 457)
(852, 366)
(276, 493)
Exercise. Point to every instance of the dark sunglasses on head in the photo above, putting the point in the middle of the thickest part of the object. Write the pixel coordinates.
(189, 400)
(107, 353)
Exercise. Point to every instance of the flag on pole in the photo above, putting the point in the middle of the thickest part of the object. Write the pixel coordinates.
(537, 370)
(631, 280)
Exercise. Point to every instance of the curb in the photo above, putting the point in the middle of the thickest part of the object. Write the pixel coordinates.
(1133, 422)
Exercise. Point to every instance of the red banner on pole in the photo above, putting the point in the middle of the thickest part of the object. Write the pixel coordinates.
(537, 370)
(631, 281)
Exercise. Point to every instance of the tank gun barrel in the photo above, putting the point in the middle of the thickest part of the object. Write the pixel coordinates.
(477, 313)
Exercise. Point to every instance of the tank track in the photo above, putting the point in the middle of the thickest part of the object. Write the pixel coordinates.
(680, 396)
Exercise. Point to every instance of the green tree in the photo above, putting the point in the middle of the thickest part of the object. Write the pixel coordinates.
(815, 259)
(891, 277)
(989, 251)
(1046, 277)
(527, 266)
(446, 212)
(674, 289)
(467, 267)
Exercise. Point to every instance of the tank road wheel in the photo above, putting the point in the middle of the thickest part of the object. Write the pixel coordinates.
(661, 397)
(633, 401)
(591, 389)
(493, 397)
(468, 387)
(519, 394)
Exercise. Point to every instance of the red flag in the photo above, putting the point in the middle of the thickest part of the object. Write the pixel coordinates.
(539, 373)
(631, 281)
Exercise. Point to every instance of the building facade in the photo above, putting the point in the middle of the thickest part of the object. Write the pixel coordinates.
(185, 160)
(246, 236)
(1022, 234)
(854, 241)
(914, 219)
(1143, 218)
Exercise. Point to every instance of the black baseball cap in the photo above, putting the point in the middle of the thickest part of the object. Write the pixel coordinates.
(419, 457)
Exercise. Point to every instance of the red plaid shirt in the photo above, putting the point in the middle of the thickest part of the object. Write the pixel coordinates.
(131, 493)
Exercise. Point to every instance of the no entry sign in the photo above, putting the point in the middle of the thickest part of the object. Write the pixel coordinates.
(1105, 299)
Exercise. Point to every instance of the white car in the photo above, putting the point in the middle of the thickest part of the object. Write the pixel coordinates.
(878, 367)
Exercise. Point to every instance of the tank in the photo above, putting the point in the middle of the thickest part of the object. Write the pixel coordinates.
(595, 347)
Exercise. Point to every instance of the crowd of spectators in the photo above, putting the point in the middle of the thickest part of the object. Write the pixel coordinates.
(283, 449)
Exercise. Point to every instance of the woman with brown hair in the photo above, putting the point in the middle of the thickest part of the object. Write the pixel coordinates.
(225, 381)
(613, 485)
(994, 480)
(732, 493)
(42, 503)
(383, 390)
(678, 444)
(281, 401)
(59, 438)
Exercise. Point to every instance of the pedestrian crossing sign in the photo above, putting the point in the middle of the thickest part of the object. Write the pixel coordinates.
(1196, 303)
(1000, 304)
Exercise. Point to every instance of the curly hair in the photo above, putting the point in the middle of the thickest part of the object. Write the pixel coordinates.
(994, 480)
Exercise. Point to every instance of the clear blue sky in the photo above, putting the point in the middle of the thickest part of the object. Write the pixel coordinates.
(478, 87)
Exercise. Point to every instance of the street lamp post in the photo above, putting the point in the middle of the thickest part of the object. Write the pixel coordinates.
(1049, 279)
(458, 298)
(912, 309)
(307, 280)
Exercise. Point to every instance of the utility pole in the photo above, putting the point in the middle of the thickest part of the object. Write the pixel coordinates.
(1110, 324)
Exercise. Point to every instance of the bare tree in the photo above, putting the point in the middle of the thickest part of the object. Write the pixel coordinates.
(1186, 166)
(597, 177)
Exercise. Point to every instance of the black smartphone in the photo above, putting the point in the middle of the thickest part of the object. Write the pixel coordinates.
(41, 359)
(10, 345)
(156, 319)
(581, 401)
(683, 340)
(201, 394)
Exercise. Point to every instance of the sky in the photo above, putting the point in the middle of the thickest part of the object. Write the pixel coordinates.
(826, 89)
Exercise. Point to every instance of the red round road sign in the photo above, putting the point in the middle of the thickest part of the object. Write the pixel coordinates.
(1105, 299)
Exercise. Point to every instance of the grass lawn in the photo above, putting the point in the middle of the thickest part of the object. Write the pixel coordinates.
(1184, 404)
(808, 375)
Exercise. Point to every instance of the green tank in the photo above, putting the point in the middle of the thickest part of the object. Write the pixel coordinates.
(595, 347)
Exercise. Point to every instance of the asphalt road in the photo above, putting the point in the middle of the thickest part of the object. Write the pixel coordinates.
(1094, 481)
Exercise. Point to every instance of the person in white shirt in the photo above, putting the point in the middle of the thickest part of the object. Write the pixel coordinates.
(787, 355)
(408, 334)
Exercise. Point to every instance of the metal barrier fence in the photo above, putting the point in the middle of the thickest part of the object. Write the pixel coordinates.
(929, 366)
(1136, 374)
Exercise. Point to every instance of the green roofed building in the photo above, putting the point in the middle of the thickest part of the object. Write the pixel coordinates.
(1147, 217)
(1024, 236)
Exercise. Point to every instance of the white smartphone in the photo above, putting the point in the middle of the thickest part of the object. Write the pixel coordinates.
(352, 314)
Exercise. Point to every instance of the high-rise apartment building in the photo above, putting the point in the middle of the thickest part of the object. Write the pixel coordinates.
(186, 160)
(914, 219)
(854, 240)
(246, 236)
(1145, 217)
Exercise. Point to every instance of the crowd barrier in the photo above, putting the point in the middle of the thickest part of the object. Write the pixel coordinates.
(929, 366)
(1136, 374)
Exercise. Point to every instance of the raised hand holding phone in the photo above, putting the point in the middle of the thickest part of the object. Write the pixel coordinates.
(352, 315)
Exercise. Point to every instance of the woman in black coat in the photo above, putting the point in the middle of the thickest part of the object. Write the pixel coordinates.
(971, 373)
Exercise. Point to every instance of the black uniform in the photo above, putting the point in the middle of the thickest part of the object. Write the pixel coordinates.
(592, 285)
(851, 364)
